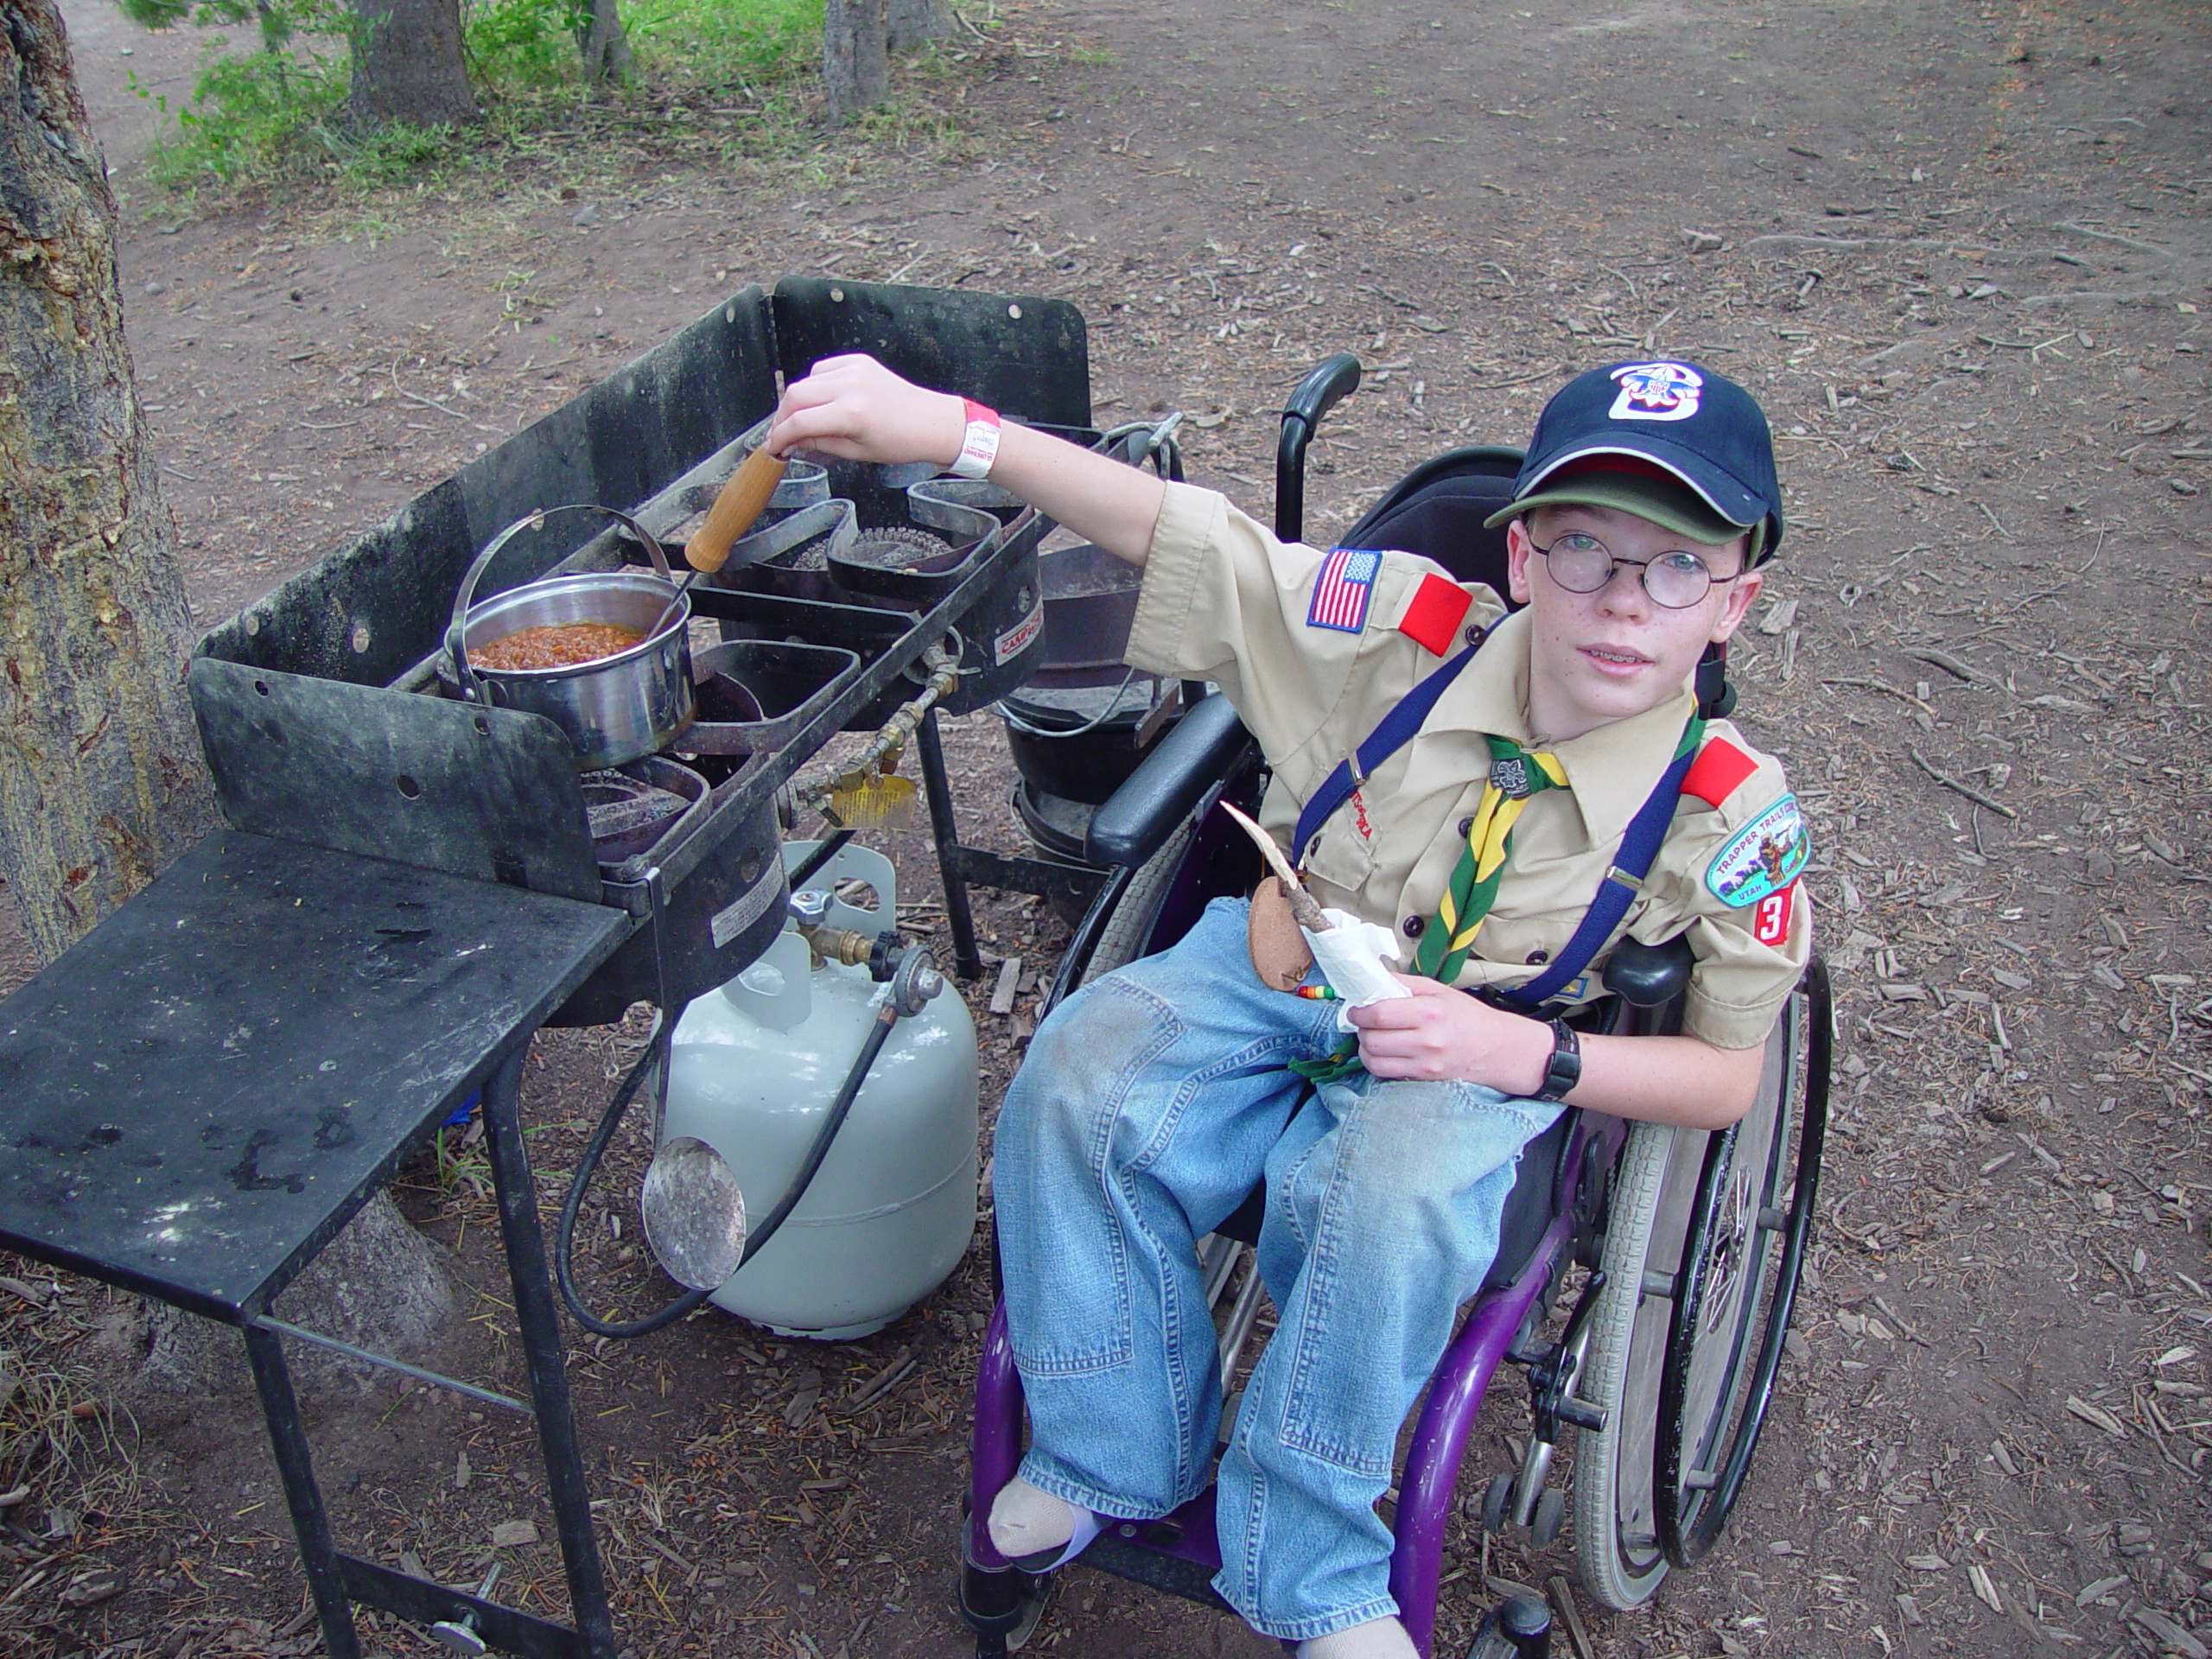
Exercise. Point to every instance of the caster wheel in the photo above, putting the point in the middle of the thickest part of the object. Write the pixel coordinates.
(1551, 1515)
(1497, 1503)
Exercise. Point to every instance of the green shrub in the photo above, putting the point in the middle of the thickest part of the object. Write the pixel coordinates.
(733, 78)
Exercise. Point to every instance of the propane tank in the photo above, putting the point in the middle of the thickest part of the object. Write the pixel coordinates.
(757, 1063)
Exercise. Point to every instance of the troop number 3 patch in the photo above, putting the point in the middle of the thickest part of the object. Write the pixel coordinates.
(1763, 857)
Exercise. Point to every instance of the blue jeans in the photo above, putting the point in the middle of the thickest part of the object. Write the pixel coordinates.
(1149, 1105)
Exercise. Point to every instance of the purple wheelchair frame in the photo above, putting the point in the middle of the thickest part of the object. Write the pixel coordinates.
(1186, 1542)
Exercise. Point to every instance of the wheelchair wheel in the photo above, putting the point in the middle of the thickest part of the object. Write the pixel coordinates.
(1703, 1249)
(1127, 932)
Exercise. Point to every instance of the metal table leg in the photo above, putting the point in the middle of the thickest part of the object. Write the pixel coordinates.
(264, 1351)
(944, 830)
(541, 1341)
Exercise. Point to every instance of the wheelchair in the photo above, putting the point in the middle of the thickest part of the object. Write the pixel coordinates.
(1690, 1242)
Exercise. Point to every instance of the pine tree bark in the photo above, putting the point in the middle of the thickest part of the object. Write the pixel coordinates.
(101, 781)
(855, 60)
(407, 66)
(910, 25)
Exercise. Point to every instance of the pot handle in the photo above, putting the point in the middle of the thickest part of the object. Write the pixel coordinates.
(463, 676)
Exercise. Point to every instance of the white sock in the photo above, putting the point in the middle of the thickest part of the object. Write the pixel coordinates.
(1379, 1638)
(1025, 1519)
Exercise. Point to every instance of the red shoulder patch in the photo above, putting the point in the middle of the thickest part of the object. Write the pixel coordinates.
(1718, 771)
(1771, 917)
(1431, 621)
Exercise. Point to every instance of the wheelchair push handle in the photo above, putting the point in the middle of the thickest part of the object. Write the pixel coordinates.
(1336, 379)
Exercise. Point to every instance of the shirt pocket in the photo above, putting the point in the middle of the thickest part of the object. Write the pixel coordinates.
(1340, 858)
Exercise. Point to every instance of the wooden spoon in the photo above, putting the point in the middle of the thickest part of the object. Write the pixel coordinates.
(743, 499)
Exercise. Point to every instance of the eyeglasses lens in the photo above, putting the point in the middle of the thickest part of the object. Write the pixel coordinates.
(1582, 565)
(1677, 582)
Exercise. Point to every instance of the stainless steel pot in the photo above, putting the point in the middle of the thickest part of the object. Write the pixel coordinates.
(615, 709)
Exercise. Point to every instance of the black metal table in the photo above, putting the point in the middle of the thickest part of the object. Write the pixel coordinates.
(198, 1095)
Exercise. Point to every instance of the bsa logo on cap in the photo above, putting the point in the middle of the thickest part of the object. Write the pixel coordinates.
(1656, 392)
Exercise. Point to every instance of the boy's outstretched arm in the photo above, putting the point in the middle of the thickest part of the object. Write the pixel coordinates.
(855, 408)
(1441, 1032)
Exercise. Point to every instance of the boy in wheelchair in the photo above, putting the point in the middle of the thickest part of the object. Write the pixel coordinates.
(1477, 834)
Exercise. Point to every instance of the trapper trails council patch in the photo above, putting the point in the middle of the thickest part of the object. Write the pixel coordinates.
(1763, 857)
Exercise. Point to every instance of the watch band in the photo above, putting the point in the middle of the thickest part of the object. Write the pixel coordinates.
(979, 446)
(1565, 1068)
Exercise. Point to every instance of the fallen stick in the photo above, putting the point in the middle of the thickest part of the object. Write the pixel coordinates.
(1966, 790)
(1877, 685)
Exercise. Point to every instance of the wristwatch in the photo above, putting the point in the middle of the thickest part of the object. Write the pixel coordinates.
(1565, 1068)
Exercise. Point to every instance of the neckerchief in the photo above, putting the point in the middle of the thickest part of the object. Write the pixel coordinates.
(1517, 775)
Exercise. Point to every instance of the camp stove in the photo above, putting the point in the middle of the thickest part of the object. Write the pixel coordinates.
(323, 717)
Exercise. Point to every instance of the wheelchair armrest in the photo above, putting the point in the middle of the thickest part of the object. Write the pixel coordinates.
(1645, 975)
(1199, 751)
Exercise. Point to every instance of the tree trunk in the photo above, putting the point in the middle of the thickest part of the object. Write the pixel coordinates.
(855, 63)
(910, 25)
(379, 1285)
(605, 48)
(407, 67)
(101, 781)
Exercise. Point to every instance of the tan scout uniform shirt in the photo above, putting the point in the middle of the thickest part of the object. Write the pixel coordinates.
(1223, 601)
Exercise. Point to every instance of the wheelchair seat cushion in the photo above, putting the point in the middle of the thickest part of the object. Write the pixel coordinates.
(1530, 1207)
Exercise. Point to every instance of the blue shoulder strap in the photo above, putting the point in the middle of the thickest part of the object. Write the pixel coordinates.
(1639, 848)
(1390, 735)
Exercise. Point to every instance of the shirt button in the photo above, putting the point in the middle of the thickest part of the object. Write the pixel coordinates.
(1538, 957)
(1466, 828)
(1413, 926)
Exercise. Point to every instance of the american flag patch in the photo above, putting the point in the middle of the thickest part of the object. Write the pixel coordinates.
(1342, 590)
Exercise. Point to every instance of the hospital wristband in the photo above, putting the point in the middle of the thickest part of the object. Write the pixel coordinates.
(979, 446)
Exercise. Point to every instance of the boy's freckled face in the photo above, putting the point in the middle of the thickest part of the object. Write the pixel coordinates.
(1594, 659)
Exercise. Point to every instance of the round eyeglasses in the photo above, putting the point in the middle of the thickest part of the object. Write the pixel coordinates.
(1582, 564)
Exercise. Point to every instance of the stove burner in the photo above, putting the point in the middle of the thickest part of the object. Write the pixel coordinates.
(631, 808)
(813, 554)
(899, 549)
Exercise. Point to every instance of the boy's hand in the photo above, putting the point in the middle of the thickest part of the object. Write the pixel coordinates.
(855, 408)
(1439, 1032)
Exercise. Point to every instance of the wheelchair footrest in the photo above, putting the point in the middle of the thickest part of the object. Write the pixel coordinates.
(1129, 1558)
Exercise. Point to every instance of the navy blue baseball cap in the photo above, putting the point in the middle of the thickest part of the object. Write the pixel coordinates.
(1699, 428)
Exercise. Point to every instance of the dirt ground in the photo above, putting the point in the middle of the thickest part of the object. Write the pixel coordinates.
(1960, 252)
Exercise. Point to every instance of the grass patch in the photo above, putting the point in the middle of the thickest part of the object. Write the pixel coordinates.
(733, 84)
(64, 1450)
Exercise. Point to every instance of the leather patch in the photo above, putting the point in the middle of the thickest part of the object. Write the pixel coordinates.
(1718, 772)
(1280, 955)
(1432, 619)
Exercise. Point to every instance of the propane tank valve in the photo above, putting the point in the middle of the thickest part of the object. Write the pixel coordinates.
(838, 944)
